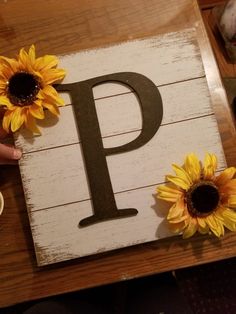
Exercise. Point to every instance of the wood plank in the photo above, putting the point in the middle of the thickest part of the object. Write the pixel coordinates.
(71, 241)
(48, 183)
(162, 61)
(181, 101)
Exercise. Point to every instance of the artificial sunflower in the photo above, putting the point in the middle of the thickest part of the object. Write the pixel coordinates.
(25, 89)
(201, 200)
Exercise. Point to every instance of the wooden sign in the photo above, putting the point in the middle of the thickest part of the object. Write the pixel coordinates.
(131, 111)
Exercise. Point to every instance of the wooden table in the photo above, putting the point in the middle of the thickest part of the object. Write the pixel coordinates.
(67, 26)
(227, 68)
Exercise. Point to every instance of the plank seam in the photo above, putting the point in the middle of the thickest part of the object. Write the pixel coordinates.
(131, 92)
(114, 135)
(115, 193)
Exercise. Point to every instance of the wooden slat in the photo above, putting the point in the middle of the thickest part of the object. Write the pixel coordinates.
(71, 241)
(193, 100)
(155, 63)
(56, 233)
(57, 176)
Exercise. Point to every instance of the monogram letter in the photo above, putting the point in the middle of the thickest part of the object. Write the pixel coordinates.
(104, 204)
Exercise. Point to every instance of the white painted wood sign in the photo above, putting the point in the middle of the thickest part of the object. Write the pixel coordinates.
(55, 178)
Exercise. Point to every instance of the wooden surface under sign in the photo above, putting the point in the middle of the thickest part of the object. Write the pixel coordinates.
(52, 168)
(64, 29)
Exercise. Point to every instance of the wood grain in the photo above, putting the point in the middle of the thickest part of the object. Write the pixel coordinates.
(76, 25)
(206, 4)
(66, 28)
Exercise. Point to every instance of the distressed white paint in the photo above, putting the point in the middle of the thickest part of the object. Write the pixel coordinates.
(52, 168)
(193, 101)
(67, 239)
(57, 176)
(163, 59)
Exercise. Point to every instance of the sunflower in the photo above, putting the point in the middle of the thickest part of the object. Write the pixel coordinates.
(25, 89)
(201, 200)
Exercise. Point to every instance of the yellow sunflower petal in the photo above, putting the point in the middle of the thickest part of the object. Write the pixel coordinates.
(50, 95)
(166, 188)
(3, 85)
(52, 108)
(26, 61)
(38, 102)
(168, 194)
(193, 167)
(6, 73)
(30, 123)
(4, 101)
(23, 57)
(225, 176)
(224, 212)
(229, 187)
(231, 202)
(31, 54)
(12, 63)
(191, 228)
(53, 75)
(17, 119)
(201, 222)
(229, 224)
(220, 224)
(203, 230)
(46, 62)
(179, 219)
(7, 120)
(215, 225)
(210, 165)
(176, 211)
(36, 111)
(227, 217)
(167, 197)
(177, 227)
(181, 173)
(178, 182)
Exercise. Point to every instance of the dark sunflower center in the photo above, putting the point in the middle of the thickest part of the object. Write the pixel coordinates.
(22, 88)
(203, 198)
